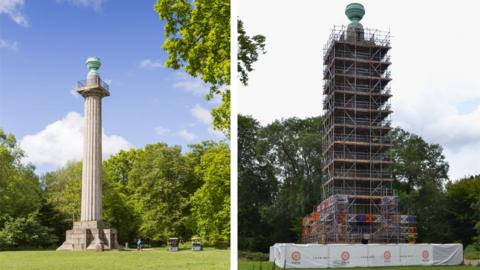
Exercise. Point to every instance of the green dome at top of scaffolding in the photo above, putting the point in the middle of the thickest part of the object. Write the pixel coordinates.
(355, 12)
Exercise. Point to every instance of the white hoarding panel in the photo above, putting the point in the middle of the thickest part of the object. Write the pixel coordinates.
(447, 254)
(279, 254)
(416, 254)
(271, 254)
(307, 256)
(383, 255)
(344, 255)
(358, 255)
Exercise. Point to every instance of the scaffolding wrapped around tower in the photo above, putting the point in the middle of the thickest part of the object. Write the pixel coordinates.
(359, 203)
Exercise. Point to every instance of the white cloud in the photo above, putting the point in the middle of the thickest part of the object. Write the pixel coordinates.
(186, 135)
(62, 141)
(434, 76)
(202, 114)
(97, 5)
(161, 131)
(150, 64)
(190, 84)
(205, 117)
(9, 45)
(12, 9)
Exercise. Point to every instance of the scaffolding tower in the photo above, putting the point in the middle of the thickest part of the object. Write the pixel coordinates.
(360, 204)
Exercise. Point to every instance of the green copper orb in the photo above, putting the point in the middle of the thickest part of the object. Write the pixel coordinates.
(93, 64)
(355, 12)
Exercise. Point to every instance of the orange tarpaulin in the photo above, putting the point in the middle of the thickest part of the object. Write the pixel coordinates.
(368, 218)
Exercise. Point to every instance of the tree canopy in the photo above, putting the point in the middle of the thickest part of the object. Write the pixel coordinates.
(279, 183)
(197, 40)
(278, 179)
(151, 193)
(23, 214)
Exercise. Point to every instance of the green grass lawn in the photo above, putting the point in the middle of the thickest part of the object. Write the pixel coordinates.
(158, 259)
(256, 265)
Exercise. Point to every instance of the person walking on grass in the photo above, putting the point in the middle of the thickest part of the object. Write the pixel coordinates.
(139, 244)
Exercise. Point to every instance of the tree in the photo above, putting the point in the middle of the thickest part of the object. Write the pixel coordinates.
(421, 174)
(249, 49)
(63, 189)
(197, 39)
(463, 209)
(417, 163)
(295, 148)
(119, 207)
(158, 178)
(154, 193)
(257, 188)
(26, 232)
(279, 178)
(19, 186)
(210, 203)
(23, 222)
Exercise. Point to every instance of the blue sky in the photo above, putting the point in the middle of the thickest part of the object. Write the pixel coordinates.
(43, 47)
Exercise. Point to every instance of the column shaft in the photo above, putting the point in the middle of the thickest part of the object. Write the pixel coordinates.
(92, 160)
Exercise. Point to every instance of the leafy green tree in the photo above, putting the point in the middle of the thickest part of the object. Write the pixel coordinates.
(464, 209)
(153, 193)
(211, 202)
(26, 232)
(56, 222)
(119, 207)
(197, 39)
(288, 151)
(421, 174)
(63, 189)
(257, 188)
(249, 49)
(417, 163)
(158, 178)
(20, 192)
(295, 148)
(26, 219)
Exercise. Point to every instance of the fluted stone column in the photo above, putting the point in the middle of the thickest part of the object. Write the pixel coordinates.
(92, 159)
(91, 232)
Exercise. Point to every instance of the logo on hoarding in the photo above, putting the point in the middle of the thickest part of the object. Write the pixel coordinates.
(425, 255)
(345, 256)
(296, 256)
(387, 255)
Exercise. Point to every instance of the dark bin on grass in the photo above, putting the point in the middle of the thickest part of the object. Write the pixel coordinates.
(173, 244)
(196, 244)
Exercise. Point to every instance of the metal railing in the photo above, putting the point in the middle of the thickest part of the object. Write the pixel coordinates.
(361, 191)
(360, 88)
(339, 33)
(95, 81)
(360, 72)
(385, 58)
(361, 173)
(361, 121)
(363, 138)
(364, 156)
(363, 105)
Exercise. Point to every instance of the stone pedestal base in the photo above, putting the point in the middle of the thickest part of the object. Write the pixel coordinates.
(90, 235)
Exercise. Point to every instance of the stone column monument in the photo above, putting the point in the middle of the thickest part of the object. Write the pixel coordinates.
(91, 232)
